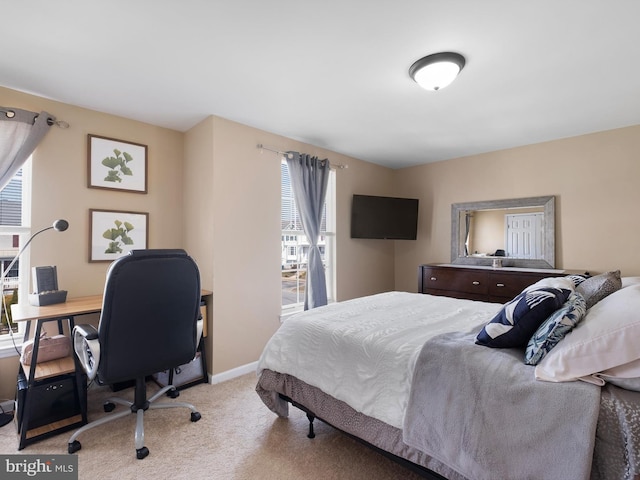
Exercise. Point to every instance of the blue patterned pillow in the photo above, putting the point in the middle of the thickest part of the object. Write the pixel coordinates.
(554, 328)
(577, 279)
(517, 321)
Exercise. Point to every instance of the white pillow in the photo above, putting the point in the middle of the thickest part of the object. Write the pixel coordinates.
(605, 339)
(626, 376)
(552, 282)
(628, 281)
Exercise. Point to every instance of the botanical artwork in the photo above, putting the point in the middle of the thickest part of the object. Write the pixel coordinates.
(117, 164)
(115, 233)
(118, 237)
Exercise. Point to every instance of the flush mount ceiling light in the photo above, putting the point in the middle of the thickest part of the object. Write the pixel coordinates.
(436, 71)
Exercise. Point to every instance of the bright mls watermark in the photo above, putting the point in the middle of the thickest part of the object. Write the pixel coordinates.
(50, 467)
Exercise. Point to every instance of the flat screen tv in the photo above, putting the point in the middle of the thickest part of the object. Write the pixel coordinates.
(384, 217)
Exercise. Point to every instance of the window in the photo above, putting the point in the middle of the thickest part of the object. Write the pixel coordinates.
(15, 218)
(295, 246)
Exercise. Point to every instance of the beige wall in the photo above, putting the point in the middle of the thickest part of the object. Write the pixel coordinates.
(237, 209)
(60, 188)
(486, 234)
(214, 193)
(198, 201)
(60, 191)
(594, 178)
(365, 266)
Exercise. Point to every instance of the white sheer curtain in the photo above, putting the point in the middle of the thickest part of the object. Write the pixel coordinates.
(20, 132)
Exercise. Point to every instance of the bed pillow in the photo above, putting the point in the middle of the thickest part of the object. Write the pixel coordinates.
(606, 338)
(554, 328)
(600, 286)
(628, 281)
(566, 283)
(625, 376)
(516, 322)
(577, 279)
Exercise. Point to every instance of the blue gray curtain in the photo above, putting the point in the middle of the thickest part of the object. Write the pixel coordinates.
(20, 133)
(309, 180)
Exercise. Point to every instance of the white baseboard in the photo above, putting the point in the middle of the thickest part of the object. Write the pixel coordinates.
(233, 373)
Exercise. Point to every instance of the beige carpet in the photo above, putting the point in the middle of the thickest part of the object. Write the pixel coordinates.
(237, 438)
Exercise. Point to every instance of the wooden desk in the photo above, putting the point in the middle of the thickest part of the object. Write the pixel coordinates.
(57, 312)
(37, 375)
(38, 381)
(70, 308)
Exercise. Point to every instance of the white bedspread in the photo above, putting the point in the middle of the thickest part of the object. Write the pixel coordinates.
(363, 351)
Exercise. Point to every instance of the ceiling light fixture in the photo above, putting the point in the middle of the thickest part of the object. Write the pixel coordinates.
(438, 70)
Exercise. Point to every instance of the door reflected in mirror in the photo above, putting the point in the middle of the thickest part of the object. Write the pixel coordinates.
(505, 232)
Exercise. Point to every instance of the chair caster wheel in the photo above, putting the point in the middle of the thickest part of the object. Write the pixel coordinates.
(195, 416)
(173, 393)
(108, 407)
(74, 446)
(142, 453)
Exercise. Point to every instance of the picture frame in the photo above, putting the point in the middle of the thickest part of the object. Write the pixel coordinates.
(114, 233)
(114, 164)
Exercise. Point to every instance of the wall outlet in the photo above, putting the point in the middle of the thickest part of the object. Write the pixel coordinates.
(7, 406)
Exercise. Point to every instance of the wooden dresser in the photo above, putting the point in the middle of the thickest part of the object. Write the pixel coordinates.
(487, 284)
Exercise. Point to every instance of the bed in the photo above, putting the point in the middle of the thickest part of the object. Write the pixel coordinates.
(412, 376)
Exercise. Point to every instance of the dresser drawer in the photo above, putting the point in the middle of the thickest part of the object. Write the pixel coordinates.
(507, 286)
(481, 297)
(485, 284)
(468, 281)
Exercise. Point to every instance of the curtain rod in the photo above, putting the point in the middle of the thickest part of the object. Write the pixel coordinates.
(288, 155)
(50, 121)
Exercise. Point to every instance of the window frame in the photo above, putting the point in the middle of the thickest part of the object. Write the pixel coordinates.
(9, 342)
(329, 235)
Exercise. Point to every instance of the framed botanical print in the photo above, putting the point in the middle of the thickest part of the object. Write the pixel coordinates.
(114, 233)
(116, 164)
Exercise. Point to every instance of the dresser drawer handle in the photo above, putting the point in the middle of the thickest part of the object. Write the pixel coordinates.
(433, 279)
(476, 283)
(499, 284)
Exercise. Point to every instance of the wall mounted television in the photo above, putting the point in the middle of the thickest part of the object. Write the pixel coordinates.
(388, 218)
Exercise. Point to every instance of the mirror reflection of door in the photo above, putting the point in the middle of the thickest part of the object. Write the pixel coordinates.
(524, 235)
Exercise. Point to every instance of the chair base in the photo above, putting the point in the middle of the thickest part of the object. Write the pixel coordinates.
(138, 406)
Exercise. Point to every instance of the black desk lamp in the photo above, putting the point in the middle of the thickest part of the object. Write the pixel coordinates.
(58, 226)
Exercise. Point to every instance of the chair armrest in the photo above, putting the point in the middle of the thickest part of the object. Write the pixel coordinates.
(199, 327)
(88, 331)
(87, 347)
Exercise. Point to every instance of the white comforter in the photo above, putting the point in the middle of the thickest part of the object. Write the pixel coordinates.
(363, 351)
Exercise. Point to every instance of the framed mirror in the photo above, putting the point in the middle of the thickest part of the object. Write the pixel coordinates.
(519, 231)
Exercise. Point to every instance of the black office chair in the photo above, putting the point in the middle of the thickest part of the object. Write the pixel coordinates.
(150, 322)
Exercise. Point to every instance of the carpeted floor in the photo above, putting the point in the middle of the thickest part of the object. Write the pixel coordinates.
(237, 438)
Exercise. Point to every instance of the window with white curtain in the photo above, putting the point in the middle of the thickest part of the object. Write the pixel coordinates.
(15, 221)
(295, 246)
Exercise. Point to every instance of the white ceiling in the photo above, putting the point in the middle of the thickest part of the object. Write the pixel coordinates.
(334, 73)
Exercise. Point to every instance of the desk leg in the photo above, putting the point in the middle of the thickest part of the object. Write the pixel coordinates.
(28, 402)
(203, 358)
(27, 330)
(23, 426)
